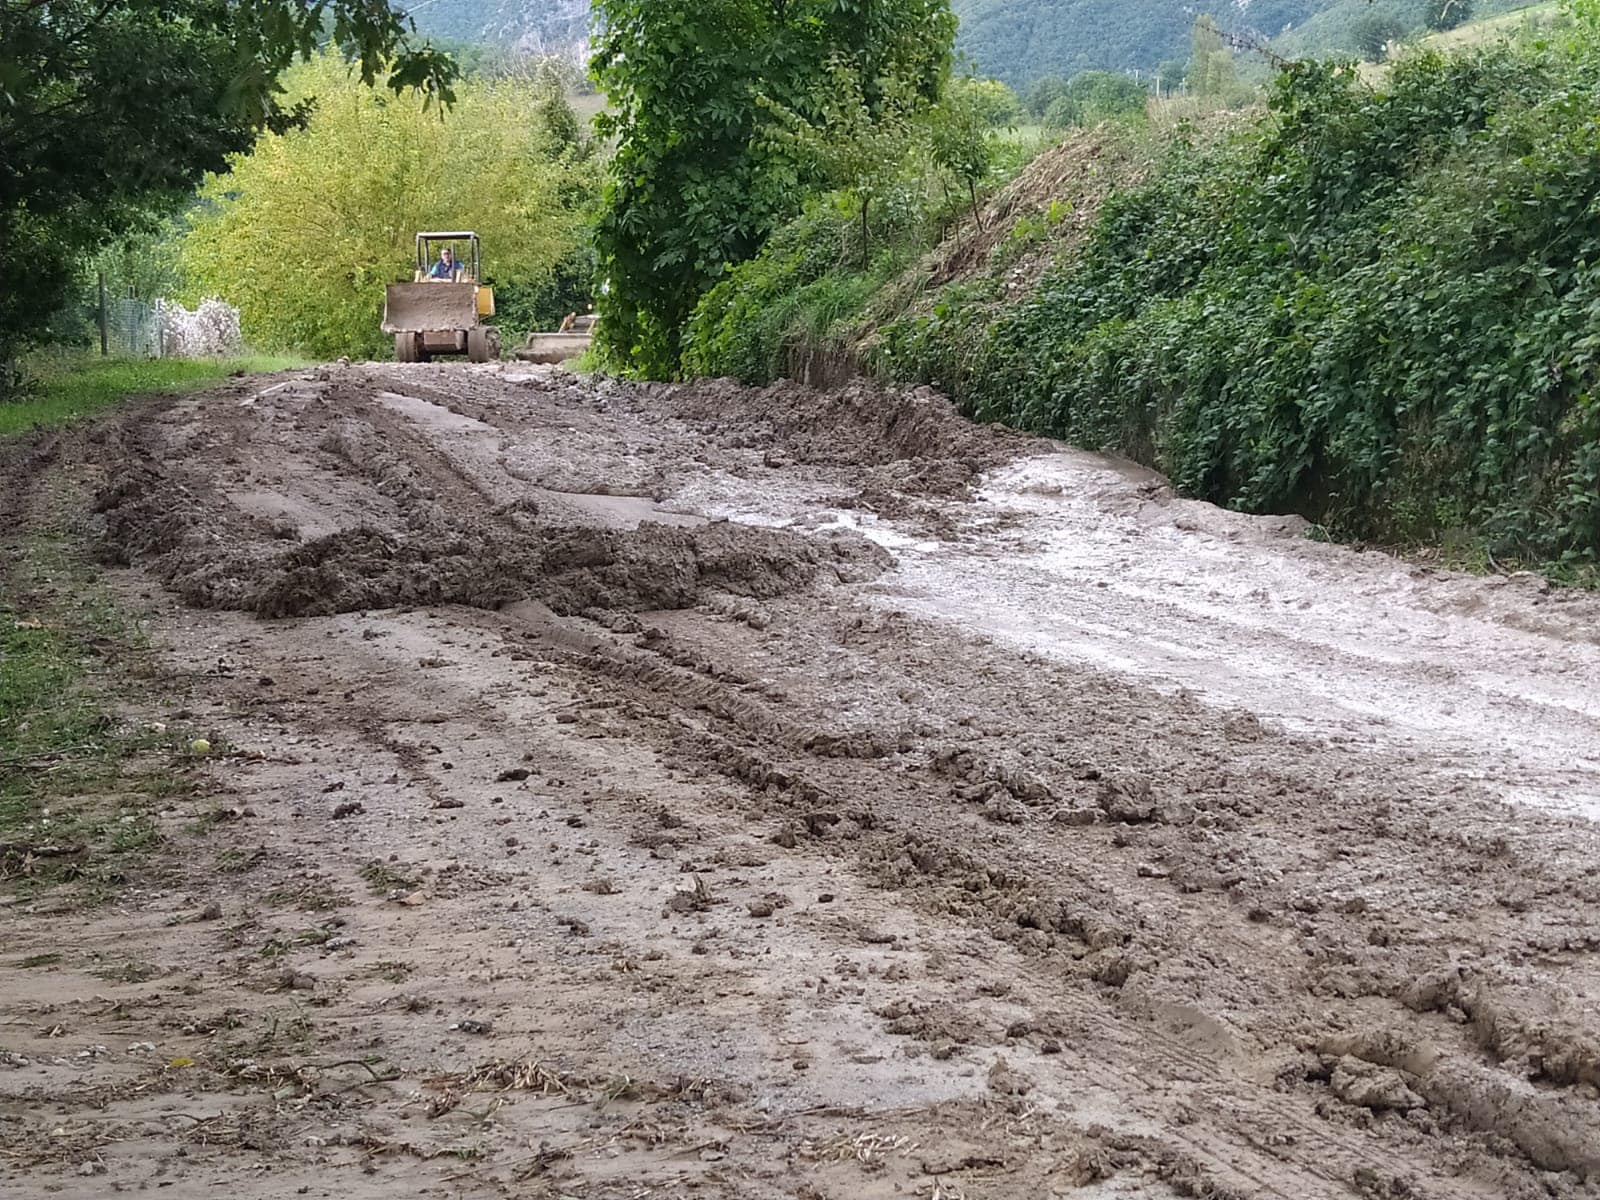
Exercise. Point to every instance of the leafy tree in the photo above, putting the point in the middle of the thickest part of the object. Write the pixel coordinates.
(307, 228)
(560, 122)
(1373, 31)
(1095, 96)
(851, 144)
(1170, 74)
(1045, 92)
(1211, 68)
(996, 106)
(697, 182)
(109, 108)
(959, 135)
(1063, 113)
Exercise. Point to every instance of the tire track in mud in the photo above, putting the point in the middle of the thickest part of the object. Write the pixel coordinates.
(1294, 1149)
(668, 689)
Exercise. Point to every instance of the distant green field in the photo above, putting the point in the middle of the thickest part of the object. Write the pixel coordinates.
(1475, 33)
(1021, 135)
(1500, 28)
(70, 387)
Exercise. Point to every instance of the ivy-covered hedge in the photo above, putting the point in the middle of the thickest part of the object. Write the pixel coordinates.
(1380, 309)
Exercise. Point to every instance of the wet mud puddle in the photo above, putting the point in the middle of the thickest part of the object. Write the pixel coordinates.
(1091, 562)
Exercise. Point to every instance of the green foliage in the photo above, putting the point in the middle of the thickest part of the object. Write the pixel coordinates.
(853, 144)
(805, 285)
(1373, 32)
(1211, 69)
(559, 121)
(1095, 96)
(72, 772)
(306, 230)
(69, 387)
(813, 283)
(1439, 15)
(958, 134)
(523, 307)
(109, 108)
(1338, 28)
(1376, 309)
(1022, 41)
(698, 180)
(1170, 74)
(1045, 92)
(996, 105)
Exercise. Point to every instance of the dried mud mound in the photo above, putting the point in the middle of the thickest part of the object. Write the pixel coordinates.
(918, 433)
(571, 569)
(212, 556)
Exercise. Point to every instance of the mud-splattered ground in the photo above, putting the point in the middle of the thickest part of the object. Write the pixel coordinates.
(693, 792)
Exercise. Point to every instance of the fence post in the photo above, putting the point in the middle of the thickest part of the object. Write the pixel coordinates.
(105, 349)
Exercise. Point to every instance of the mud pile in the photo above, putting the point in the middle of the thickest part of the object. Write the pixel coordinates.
(571, 569)
(159, 515)
(917, 432)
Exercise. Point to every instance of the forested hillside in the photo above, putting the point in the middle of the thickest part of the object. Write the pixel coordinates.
(538, 26)
(1021, 41)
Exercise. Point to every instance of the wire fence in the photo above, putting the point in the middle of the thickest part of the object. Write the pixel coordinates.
(133, 326)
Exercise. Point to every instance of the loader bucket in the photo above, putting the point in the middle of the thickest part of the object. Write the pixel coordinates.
(553, 347)
(429, 307)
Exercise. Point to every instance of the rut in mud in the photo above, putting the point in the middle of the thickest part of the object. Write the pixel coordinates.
(776, 793)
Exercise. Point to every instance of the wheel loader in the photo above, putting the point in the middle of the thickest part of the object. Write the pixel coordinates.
(446, 315)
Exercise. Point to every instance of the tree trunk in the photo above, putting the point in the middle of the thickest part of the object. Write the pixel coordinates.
(972, 190)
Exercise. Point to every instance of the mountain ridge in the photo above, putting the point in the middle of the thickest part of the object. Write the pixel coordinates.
(1017, 41)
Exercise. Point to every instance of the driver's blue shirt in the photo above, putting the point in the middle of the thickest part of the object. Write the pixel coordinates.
(444, 270)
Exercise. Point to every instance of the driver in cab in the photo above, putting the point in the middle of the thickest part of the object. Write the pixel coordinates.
(447, 268)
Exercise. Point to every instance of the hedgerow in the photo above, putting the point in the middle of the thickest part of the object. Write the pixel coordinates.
(1377, 308)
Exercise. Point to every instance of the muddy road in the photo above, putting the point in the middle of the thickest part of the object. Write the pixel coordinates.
(652, 791)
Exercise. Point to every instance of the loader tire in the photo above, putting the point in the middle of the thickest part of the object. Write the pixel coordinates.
(408, 347)
(483, 344)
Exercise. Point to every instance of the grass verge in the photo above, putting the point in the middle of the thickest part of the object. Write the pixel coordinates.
(68, 387)
(80, 785)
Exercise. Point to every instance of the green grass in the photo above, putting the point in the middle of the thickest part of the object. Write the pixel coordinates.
(1031, 136)
(79, 786)
(69, 387)
(1489, 29)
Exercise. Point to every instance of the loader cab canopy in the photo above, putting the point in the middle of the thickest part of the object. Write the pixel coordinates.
(464, 249)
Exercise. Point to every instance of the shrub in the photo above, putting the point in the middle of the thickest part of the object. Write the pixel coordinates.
(803, 285)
